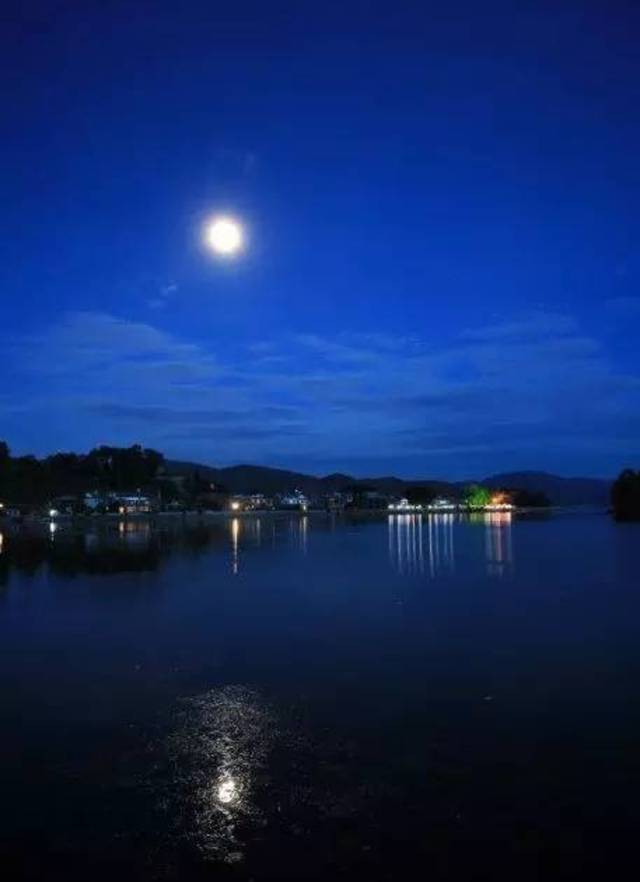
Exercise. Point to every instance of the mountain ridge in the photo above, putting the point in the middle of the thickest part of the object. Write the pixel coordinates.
(246, 478)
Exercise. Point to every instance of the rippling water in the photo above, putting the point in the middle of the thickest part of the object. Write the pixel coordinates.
(218, 755)
(306, 697)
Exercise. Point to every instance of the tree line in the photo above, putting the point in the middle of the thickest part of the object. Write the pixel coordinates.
(478, 496)
(625, 496)
(27, 480)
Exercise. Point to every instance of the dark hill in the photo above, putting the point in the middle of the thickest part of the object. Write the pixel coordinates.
(561, 491)
(261, 479)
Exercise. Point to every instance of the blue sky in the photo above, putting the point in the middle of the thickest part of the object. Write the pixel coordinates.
(441, 202)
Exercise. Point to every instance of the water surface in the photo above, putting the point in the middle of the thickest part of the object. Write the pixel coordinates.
(315, 698)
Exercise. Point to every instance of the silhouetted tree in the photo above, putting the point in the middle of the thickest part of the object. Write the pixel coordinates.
(625, 496)
(476, 496)
(168, 491)
(359, 494)
(125, 468)
(5, 461)
(26, 483)
(27, 480)
(530, 498)
(422, 494)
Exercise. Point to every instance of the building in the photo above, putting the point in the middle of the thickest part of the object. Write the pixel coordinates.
(133, 504)
(403, 506)
(210, 498)
(441, 503)
(369, 498)
(336, 501)
(66, 505)
(296, 500)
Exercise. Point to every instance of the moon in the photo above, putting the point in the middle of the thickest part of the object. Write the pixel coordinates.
(225, 236)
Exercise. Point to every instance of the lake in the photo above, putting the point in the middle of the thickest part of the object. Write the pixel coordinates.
(287, 697)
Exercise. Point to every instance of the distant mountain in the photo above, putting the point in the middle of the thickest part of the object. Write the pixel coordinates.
(178, 467)
(261, 479)
(561, 491)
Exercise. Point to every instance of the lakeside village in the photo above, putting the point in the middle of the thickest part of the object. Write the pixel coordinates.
(137, 481)
(131, 482)
(138, 503)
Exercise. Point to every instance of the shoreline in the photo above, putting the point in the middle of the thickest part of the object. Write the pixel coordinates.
(197, 517)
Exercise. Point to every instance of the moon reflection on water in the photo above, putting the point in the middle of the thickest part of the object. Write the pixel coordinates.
(219, 753)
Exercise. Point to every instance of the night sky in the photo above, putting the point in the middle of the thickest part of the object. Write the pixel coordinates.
(441, 202)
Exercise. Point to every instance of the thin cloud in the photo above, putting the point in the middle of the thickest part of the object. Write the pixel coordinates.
(531, 327)
(537, 380)
(163, 296)
(624, 307)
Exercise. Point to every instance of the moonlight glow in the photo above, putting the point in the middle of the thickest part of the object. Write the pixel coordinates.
(227, 791)
(225, 236)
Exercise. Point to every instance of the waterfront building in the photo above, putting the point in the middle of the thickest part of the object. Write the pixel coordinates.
(441, 503)
(132, 504)
(403, 506)
(296, 500)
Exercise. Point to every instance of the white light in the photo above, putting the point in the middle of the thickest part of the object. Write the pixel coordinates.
(53, 512)
(225, 236)
(227, 791)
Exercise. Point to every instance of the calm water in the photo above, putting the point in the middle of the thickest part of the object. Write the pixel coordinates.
(300, 698)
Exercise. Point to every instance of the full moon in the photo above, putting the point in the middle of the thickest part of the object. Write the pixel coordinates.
(225, 236)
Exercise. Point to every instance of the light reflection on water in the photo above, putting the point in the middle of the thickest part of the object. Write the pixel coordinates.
(385, 727)
(405, 543)
(125, 544)
(235, 535)
(498, 542)
(134, 533)
(441, 548)
(219, 754)
(240, 769)
(409, 533)
(245, 531)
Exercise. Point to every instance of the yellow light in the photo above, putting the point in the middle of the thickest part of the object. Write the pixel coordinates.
(235, 506)
(235, 534)
(225, 236)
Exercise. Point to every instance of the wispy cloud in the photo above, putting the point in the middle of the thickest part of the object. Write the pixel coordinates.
(166, 416)
(625, 307)
(531, 383)
(163, 296)
(534, 326)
